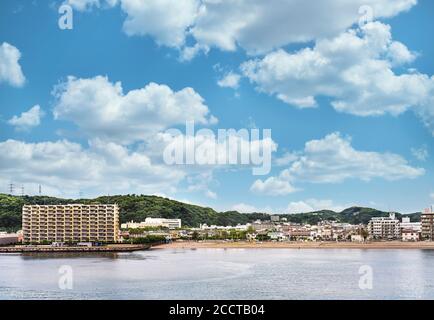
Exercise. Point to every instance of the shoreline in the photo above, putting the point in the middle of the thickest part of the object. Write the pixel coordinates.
(49, 249)
(295, 245)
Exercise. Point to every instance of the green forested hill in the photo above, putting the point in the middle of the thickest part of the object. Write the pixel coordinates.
(138, 207)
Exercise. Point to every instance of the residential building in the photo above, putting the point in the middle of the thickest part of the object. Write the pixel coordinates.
(239, 227)
(427, 221)
(70, 223)
(410, 235)
(275, 218)
(153, 222)
(384, 228)
(263, 226)
(407, 225)
(357, 238)
(278, 236)
(8, 238)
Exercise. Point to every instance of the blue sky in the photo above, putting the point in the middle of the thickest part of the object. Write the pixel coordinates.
(351, 107)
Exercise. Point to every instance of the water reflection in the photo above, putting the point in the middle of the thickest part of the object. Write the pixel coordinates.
(68, 255)
(221, 274)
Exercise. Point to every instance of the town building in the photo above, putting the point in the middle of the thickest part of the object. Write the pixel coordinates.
(409, 235)
(384, 228)
(408, 225)
(8, 238)
(238, 227)
(275, 218)
(357, 238)
(70, 223)
(427, 222)
(153, 222)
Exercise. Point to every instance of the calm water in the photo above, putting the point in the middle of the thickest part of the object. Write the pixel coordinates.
(221, 274)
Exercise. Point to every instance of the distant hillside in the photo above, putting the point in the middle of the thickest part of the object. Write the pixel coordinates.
(138, 207)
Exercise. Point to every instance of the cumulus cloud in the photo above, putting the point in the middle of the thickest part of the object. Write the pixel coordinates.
(112, 114)
(274, 186)
(312, 205)
(166, 21)
(253, 25)
(420, 153)
(10, 69)
(355, 69)
(334, 160)
(63, 168)
(285, 159)
(230, 80)
(246, 208)
(257, 26)
(85, 5)
(28, 119)
(352, 68)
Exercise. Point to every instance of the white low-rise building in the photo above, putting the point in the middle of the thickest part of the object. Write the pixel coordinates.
(239, 227)
(407, 225)
(384, 227)
(410, 235)
(357, 238)
(153, 222)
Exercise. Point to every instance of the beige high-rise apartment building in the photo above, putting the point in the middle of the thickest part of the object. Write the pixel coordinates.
(70, 223)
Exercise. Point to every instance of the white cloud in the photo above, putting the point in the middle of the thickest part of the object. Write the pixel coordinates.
(85, 5)
(10, 69)
(274, 186)
(420, 153)
(432, 195)
(211, 194)
(246, 208)
(333, 160)
(257, 26)
(230, 80)
(28, 119)
(111, 114)
(285, 159)
(311, 205)
(355, 69)
(63, 168)
(254, 25)
(165, 20)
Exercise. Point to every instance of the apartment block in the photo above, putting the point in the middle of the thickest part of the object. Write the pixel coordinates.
(387, 228)
(70, 223)
(427, 220)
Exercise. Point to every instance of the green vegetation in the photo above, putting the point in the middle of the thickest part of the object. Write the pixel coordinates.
(148, 239)
(139, 207)
(145, 229)
(353, 215)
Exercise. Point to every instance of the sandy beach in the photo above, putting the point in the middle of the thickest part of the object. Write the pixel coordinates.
(294, 245)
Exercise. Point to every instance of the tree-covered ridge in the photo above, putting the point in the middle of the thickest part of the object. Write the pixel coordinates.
(139, 207)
